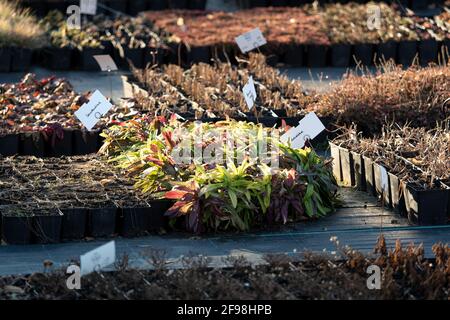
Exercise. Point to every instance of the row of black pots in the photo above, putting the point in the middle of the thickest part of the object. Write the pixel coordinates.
(313, 56)
(346, 55)
(76, 224)
(72, 59)
(73, 142)
(14, 59)
(421, 206)
(317, 56)
(133, 7)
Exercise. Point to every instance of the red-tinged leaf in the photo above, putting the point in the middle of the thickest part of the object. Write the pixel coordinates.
(154, 148)
(155, 161)
(36, 93)
(175, 194)
(10, 122)
(168, 138)
(186, 208)
(162, 119)
(174, 211)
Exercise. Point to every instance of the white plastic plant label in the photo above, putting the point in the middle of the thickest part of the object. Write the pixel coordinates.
(98, 258)
(250, 40)
(249, 93)
(105, 62)
(88, 7)
(384, 179)
(91, 112)
(308, 128)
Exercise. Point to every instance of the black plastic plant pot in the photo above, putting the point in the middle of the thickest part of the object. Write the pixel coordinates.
(118, 5)
(108, 47)
(369, 175)
(135, 56)
(258, 3)
(157, 4)
(290, 121)
(178, 4)
(294, 55)
(426, 207)
(102, 222)
(198, 54)
(278, 3)
(136, 6)
(265, 121)
(272, 58)
(85, 142)
(16, 230)
(47, 228)
(363, 53)
(175, 53)
(348, 174)
(31, 144)
(359, 171)
(135, 221)
(419, 4)
(335, 154)
(39, 8)
(154, 56)
(21, 59)
(282, 113)
(404, 3)
(56, 5)
(316, 56)
(385, 194)
(398, 201)
(158, 208)
(87, 61)
(197, 4)
(9, 145)
(386, 51)
(57, 58)
(428, 51)
(446, 46)
(340, 55)
(5, 59)
(74, 222)
(60, 147)
(407, 51)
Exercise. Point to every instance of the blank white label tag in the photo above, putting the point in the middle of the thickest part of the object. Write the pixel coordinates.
(88, 7)
(91, 112)
(308, 128)
(98, 258)
(250, 40)
(384, 179)
(249, 93)
(105, 62)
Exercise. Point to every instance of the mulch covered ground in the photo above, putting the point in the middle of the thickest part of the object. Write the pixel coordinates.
(405, 275)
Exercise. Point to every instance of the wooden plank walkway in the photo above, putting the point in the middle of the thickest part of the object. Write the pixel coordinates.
(358, 224)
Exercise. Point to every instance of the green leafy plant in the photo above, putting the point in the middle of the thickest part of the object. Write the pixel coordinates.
(234, 195)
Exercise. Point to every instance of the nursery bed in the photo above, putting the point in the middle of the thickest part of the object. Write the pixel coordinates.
(304, 36)
(415, 186)
(296, 36)
(71, 198)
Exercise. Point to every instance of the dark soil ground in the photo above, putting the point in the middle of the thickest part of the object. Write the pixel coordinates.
(405, 274)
